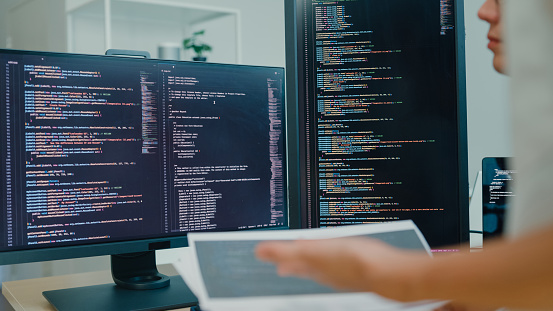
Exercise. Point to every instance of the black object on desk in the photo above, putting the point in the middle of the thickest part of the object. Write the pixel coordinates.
(110, 297)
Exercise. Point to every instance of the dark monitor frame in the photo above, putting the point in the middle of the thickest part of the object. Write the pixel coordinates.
(294, 73)
(137, 253)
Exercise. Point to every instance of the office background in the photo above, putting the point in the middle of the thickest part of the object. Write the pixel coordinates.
(240, 31)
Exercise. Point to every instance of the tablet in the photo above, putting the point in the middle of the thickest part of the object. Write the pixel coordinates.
(497, 192)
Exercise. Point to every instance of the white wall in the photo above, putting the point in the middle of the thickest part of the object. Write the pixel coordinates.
(5, 5)
(489, 118)
(37, 25)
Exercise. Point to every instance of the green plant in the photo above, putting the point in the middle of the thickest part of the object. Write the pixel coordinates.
(193, 43)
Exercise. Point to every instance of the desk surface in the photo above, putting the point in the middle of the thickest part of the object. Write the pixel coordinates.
(27, 294)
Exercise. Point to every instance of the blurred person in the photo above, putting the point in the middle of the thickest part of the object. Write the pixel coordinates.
(515, 271)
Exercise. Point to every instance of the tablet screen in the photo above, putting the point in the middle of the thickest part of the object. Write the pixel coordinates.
(497, 192)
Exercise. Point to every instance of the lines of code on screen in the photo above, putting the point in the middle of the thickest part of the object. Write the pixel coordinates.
(104, 149)
(380, 113)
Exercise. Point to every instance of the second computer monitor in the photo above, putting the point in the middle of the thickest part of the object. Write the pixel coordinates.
(381, 113)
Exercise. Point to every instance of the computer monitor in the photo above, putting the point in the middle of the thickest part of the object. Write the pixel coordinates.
(381, 114)
(121, 156)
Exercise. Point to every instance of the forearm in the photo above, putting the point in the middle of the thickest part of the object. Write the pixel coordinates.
(516, 274)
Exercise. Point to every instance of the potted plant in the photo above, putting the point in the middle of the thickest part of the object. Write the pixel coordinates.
(199, 47)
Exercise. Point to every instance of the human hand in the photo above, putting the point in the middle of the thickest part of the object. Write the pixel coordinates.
(356, 264)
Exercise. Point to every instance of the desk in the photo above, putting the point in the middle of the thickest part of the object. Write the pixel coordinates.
(27, 294)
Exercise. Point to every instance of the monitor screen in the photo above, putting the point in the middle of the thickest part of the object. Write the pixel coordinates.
(497, 193)
(104, 155)
(382, 117)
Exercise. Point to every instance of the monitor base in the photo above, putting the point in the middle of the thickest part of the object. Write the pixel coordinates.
(108, 297)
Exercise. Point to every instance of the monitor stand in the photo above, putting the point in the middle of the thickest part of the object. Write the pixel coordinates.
(138, 286)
